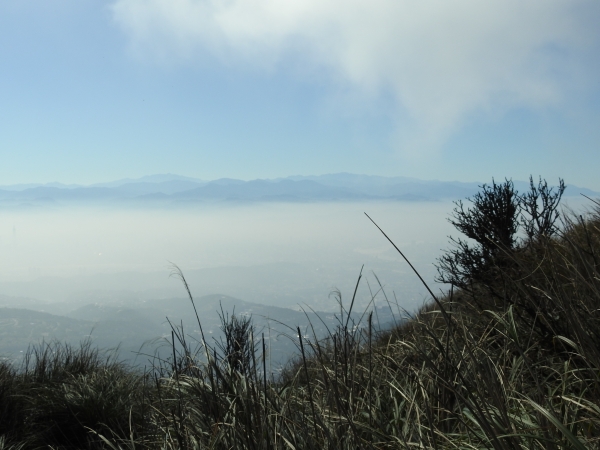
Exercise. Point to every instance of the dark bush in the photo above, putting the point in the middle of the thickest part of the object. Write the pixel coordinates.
(491, 224)
(539, 209)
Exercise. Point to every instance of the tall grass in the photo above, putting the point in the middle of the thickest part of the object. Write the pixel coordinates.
(60, 392)
(510, 363)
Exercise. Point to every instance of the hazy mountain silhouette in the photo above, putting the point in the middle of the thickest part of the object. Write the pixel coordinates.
(136, 325)
(164, 189)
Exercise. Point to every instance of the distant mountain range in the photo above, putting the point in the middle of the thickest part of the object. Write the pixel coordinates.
(168, 189)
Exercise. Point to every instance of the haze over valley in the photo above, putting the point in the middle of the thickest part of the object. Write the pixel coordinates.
(64, 256)
(97, 259)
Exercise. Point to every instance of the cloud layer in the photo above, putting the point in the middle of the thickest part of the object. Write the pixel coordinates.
(442, 61)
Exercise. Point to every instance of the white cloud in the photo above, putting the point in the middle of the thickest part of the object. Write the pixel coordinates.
(442, 60)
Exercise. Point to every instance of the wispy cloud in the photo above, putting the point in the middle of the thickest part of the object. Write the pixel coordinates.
(443, 61)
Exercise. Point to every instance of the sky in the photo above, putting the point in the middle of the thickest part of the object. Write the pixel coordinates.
(467, 90)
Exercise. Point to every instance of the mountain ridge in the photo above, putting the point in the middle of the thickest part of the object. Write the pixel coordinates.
(164, 189)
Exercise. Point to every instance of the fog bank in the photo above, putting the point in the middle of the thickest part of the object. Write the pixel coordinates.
(274, 253)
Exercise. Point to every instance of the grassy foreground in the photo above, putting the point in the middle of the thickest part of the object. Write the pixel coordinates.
(510, 362)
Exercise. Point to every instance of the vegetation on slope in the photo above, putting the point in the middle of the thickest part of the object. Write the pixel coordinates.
(510, 358)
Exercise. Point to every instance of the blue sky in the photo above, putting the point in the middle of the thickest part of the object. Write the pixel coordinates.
(465, 90)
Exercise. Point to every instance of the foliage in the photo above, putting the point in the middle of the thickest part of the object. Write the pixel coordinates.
(492, 224)
(61, 392)
(540, 209)
(238, 348)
